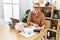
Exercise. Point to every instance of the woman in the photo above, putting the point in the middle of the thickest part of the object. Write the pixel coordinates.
(36, 17)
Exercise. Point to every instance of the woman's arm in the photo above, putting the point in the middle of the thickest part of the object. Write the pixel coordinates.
(29, 19)
(43, 21)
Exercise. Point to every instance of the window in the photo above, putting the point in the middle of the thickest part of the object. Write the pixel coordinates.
(11, 9)
(7, 11)
(16, 11)
(15, 1)
(7, 1)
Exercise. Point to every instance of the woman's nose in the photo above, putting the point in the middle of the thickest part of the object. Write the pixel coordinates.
(36, 9)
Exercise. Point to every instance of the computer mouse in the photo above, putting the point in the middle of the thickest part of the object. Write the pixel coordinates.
(36, 30)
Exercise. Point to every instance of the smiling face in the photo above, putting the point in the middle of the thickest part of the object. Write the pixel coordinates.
(36, 7)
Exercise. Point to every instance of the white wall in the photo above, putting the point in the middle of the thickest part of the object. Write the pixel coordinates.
(1, 9)
(58, 4)
(24, 5)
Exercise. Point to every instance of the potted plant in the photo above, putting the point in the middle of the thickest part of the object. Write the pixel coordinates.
(24, 19)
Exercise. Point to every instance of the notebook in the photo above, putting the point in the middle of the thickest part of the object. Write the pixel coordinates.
(28, 32)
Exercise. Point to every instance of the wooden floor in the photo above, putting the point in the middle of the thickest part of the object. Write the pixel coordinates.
(7, 34)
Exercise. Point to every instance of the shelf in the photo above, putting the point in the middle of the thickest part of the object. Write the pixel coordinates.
(51, 19)
(48, 18)
(52, 30)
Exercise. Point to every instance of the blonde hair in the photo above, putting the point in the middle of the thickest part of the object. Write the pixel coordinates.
(36, 4)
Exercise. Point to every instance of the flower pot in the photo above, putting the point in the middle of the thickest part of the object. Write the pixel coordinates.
(11, 25)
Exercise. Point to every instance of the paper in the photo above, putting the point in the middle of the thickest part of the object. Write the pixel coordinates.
(19, 26)
(28, 32)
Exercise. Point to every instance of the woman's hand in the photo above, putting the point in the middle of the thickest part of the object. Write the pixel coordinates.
(35, 25)
(42, 28)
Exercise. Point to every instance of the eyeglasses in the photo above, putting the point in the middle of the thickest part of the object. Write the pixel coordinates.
(36, 7)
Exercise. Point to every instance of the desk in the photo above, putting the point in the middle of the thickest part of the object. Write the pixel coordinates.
(34, 37)
(6, 34)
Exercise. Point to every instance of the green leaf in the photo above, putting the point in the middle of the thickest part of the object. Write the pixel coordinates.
(24, 18)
